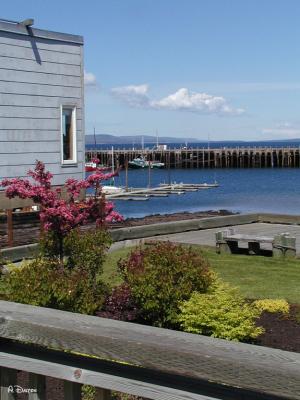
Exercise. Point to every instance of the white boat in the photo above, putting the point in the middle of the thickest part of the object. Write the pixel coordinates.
(112, 189)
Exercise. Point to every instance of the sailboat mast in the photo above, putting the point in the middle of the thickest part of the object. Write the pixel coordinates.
(156, 138)
(95, 142)
(112, 163)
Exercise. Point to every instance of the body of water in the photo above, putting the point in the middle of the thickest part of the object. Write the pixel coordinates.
(240, 190)
(212, 145)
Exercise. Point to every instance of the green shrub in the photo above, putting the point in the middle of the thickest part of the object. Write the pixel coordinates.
(163, 275)
(82, 249)
(221, 313)
(88, 392)
(74, 285)
(87, 250)
(273, 305)
(30, 283)
(46, 283)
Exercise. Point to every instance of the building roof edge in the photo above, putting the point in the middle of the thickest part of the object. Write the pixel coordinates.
(20, 29)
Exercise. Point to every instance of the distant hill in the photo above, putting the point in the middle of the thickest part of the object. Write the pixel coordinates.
(112, 139)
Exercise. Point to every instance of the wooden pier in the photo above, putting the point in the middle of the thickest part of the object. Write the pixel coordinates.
(239, 157)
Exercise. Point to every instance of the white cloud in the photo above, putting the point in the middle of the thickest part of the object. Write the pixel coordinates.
(134, 95)
(182, 100)
(89, 79)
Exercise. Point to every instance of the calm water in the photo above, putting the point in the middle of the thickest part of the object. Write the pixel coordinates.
(241, 190)
(200, 145)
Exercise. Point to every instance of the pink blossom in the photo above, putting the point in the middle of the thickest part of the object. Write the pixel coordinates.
(62, 215)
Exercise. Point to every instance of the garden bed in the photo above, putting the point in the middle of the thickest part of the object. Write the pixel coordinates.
(256, 277)
(281, 332)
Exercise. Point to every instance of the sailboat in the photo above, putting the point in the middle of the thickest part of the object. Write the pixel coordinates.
(112, 189)
(91, 166)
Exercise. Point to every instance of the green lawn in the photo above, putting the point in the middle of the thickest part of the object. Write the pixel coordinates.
(256, 276)
(110, 273)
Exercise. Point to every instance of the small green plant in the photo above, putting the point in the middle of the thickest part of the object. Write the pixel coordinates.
(75, 285)
(30, 283)
(87, 250)
(273, 306)
(88, 392)
(221, 313)
(45, 283)
(161, 276)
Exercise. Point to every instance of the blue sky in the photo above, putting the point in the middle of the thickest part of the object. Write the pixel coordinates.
(227, 69)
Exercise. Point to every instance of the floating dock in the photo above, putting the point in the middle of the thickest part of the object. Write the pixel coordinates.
(239, 157)
(164, 190)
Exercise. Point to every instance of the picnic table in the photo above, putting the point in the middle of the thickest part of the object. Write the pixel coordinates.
(282, 245)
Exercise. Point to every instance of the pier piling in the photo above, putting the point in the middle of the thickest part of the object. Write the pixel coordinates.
(241, 157)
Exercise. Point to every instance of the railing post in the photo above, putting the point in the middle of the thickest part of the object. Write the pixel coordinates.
(37, 382)
(72, 390)
(8, 382)
(103, 394)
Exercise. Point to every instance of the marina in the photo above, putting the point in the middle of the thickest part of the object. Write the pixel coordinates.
(201, 158)
(240, 190)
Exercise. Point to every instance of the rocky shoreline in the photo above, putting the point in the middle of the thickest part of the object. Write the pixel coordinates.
(180, 216)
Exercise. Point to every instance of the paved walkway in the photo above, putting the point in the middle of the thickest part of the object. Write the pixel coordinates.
(207, 236)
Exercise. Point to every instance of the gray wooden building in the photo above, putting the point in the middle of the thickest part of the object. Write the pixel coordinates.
(41, 102)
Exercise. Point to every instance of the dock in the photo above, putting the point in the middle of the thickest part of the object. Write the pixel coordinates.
(163, 190)
(238, 157)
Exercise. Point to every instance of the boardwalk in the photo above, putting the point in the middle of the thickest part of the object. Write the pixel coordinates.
(207, 236)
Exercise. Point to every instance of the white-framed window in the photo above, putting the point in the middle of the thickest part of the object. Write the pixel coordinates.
(68, 135)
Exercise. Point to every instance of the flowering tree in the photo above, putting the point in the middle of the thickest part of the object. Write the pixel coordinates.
(60, 215)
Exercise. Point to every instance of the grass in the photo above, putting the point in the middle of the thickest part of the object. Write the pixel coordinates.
(257, 277)
(110, 273)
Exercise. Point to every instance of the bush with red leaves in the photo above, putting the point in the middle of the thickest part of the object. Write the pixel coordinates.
(160, 277)
(120, 305)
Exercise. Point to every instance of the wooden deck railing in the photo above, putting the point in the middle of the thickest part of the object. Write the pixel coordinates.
(150, 362)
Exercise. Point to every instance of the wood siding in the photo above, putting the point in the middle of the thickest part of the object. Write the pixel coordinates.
(37, 77)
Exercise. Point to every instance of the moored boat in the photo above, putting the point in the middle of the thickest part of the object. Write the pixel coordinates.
(109, 189)
(140, 162)
(90, 166)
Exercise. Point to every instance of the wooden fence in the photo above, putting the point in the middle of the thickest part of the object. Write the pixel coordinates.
(141, 360)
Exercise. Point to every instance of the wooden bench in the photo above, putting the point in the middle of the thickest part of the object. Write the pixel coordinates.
(283, 245)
